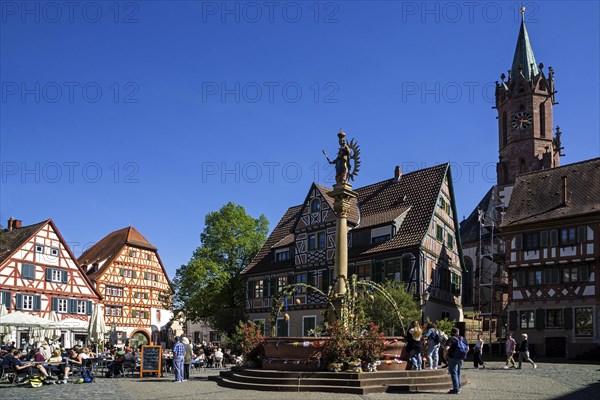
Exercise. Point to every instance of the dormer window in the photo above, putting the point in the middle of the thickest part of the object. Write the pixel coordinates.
(379, 235)
(315, 205)
(282, 254)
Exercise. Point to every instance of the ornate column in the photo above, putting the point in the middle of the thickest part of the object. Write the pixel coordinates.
(342, 195)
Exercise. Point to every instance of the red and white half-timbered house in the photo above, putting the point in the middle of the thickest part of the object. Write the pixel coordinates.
(40, 274)
(127, 270)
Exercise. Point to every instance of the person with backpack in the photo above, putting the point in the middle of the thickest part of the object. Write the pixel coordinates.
(433, 345)
(458, 348)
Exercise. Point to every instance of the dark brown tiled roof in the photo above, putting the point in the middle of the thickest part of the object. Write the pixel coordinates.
(378, 204)
(537, 196)
(108, 248)
(262, 261)
(13, 240)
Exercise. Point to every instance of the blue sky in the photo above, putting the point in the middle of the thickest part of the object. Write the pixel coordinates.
(152, 114)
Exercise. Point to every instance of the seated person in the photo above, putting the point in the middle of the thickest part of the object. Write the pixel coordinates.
(54, 363)
(21, 367)
(116, 366)
(72, 363)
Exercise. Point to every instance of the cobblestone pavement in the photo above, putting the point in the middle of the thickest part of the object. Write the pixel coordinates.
(564, 381)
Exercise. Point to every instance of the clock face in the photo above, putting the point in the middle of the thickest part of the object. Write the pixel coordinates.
(522, 120)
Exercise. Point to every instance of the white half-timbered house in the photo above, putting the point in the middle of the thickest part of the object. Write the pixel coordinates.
(40, 274)
(127, 270)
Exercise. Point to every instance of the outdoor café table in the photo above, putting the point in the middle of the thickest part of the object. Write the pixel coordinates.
(101, 364)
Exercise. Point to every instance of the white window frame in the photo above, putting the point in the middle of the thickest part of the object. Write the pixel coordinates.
(39, 248)
(305, 317)
(27, 302)
(81, 307)
(56, 275)
(54, 250)
(62, 306)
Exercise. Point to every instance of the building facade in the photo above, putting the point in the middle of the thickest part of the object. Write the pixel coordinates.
(127, 270)
(527, 142)
(552, 231)
(39, 274)
(403, 228)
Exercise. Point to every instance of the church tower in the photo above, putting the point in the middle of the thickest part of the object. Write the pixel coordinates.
(524, 101)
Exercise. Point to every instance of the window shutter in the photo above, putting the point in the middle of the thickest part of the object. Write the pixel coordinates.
(554, 237)
(273, 286)
(512, 320)
(134, 274)
(6, 299)
(540, 319)
(325, 278)
(88, 307)
(37, 302)
(146, 275)
(544, 239)
(518, 242)
(48, 274)
(64, 276)
(72, 306)
(581, 234)
(134, 313)
(18, 301)
(146, 314)
(135, 296)
(55, 304)
(568, 318)
(122, 272)
(251, 289)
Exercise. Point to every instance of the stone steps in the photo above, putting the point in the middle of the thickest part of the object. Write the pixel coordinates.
(342, 382)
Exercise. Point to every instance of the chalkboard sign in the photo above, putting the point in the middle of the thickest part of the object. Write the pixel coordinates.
(151, 360)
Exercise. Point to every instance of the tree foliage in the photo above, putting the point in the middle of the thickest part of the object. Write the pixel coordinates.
(378, 309)
(210, 287)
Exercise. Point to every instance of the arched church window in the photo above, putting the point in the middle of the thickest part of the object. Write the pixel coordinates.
(315, 206)
(542, 120)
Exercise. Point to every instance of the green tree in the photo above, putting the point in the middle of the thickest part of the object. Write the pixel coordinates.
(210, 287)
(378, 309)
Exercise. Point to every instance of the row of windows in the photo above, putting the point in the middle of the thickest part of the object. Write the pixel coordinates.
(282, 327)
(41, 249)
(555, 237)
(115, 311)
(33, 302)
(114, 291)
(552, 276)
(560, 319)
(133, 274)
(52, 274)
(71, 306)
(134, 254)
(140, 314)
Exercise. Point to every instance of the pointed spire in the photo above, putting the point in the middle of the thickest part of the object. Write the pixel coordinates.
(523, 60)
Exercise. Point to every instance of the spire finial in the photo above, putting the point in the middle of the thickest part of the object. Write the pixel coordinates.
(522, 11)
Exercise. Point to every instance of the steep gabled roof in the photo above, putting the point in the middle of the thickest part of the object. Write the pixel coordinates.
(537, 196)
(13, 240)
(109, 247)
(262, 261)
(414, 194)
(469, 228)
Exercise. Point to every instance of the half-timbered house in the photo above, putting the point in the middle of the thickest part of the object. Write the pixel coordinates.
(40, 274)
(127, 270)
(552, 231)
(403, 228)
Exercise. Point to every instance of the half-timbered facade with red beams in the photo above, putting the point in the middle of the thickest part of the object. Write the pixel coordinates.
(552, 231)
(127, 270)
(403, 228)
(40, 274)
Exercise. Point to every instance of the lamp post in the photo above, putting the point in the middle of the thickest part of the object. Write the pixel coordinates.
(424, 299)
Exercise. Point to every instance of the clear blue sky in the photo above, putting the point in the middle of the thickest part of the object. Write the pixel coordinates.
(152, 114)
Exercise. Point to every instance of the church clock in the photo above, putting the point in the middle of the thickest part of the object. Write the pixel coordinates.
(522, 120)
